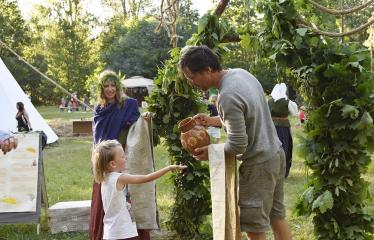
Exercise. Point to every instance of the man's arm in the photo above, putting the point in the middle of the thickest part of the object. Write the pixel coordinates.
(233, 111)
(204, 120)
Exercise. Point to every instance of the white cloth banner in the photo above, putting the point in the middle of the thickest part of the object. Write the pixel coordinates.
(225, 211)
(139, 155)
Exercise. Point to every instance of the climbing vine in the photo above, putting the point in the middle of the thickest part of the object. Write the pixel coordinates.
(335, 81)
(172, 100)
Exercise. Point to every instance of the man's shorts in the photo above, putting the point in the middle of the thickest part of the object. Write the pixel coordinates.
(261, 193)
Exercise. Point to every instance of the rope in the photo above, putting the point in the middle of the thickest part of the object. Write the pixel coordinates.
(43, 75)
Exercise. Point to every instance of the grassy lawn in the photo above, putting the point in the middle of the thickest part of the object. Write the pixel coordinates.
(53, 112)
(67, 171)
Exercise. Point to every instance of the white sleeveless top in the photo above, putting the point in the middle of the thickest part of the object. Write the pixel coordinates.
(117, 219)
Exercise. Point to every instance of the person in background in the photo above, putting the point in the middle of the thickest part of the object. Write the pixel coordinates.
(62, 104)
(7, 142)
(280, 108)
(113, 116)
(251, 138)
(86, 101)
(302, 115)
(23, 121)
(214, 132)
(108, 166)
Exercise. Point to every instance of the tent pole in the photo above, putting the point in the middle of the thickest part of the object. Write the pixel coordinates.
(43, 75)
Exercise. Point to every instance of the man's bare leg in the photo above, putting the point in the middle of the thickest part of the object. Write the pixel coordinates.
(281, 230)
(256, 235)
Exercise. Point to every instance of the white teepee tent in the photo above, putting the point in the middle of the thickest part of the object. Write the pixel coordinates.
(10, 94)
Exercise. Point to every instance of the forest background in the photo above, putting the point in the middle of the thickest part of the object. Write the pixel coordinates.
(72, 46)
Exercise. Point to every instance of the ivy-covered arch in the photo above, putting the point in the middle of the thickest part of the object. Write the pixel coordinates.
(335, 81)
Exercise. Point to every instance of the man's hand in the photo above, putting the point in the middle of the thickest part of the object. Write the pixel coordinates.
(147, 116)
(202, 119)
(201, 153)
(8, 144)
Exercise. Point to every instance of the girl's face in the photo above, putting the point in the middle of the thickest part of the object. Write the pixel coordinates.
(110, 90)
(118, 164)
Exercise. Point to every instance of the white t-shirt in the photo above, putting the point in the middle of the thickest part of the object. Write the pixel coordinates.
(117, 219)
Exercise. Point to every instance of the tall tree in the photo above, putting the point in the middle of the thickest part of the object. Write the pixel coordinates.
(63, 36)
(129, 9)
(187, 21)
(133, 47)
(14, 33)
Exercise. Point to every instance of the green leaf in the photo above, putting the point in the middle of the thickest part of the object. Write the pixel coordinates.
(314, 41)
(356, 65)
(366, 121)
(189, 177)
(166, 119)
(175, 148)
(324, 202)
(301, 31)
(276, 28)
(349, 111)
(202, 23)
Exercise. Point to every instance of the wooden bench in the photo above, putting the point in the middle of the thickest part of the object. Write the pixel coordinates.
(82, 128)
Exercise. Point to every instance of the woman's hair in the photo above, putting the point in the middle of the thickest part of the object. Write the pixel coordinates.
(104, 153)
(110, 76)
(198, 59)
(20, 106)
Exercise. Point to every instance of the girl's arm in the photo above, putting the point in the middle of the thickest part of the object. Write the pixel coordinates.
(136, 179)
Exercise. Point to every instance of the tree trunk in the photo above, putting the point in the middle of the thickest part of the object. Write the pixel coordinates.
(221, 7)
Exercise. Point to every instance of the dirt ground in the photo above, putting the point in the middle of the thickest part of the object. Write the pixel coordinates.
(61, 127)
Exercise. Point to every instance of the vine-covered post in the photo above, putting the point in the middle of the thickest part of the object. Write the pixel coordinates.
(172, 100)
(335, 81)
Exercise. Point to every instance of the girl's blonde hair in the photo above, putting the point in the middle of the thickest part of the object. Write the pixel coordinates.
(110, 76)
(103, 154)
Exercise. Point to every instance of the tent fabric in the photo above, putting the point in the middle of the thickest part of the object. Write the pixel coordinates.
(137, 81)
(10, 94)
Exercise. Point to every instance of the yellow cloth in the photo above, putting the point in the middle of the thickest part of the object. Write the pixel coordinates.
(223, 180)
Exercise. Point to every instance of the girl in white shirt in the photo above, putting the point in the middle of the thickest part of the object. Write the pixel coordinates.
(108, 165)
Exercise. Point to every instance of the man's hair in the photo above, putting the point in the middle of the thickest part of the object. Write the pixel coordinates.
(199, 58)
(103, 154)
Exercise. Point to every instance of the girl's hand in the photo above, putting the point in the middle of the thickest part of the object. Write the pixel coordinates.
(174, 168)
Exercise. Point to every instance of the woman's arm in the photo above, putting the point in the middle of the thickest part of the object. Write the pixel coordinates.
(137, 179)
(27, 119)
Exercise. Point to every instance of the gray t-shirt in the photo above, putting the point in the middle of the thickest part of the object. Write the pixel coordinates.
(244, 111)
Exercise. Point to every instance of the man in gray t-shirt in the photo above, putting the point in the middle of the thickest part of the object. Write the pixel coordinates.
(251, 138)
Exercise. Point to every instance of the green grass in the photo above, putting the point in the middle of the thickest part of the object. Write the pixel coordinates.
(53, 112)
(67, 171)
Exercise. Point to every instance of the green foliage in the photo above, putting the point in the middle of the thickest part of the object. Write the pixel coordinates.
(133, 47)
(172, 100)
(211, 32)
(335, 81)
(61, 48)
(15, 34)
(186, 23)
